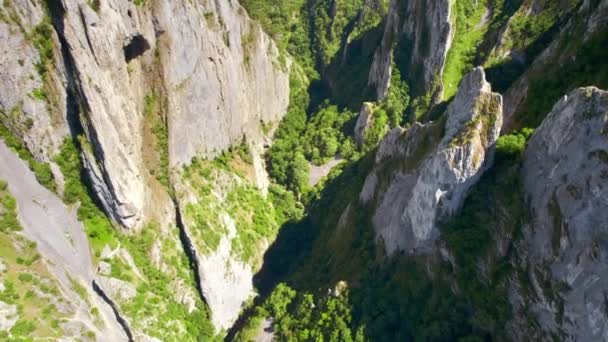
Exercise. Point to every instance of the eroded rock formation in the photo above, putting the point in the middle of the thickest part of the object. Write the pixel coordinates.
(422, 174)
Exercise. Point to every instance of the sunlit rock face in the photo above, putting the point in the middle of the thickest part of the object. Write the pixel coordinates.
(217, 76)
(422, 174)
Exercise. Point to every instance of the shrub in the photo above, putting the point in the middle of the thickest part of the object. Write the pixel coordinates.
(513, 145)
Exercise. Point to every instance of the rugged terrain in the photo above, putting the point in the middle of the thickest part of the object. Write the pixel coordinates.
(303, 170)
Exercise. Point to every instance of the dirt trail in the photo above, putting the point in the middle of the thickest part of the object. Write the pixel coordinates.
(318, 172)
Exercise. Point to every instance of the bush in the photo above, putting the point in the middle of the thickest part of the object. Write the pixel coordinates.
(513, 145)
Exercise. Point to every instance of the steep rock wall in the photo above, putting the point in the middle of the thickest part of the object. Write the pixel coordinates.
(564, 247)
(32, 102)
(423, 29)
(224, 77)
(218, 76)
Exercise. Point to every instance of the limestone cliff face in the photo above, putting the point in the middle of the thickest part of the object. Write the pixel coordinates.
(564, 247)
(224, 77)
(423, 174)
(215, 225)
(117, 73)
(423, 29)
(32, 105)
(218, 76)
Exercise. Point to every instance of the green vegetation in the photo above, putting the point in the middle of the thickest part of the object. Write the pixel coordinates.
(514, 144)
(42, 38)
(255, 218)
(96, 4)
(325, 135)
(286, 21)
(158, 127)
(8, 213)
(156, 297)
(330, 27)
(526, 27)
(301, 317)
(397, 100)
(468, 15)
(98, 227)
(529, 33)
(155, 294)
(286, 162)
(39, 94)
(389, 113)
(584, 68)
(41, 170)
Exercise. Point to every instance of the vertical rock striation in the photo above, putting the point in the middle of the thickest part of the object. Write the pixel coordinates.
(223, 74)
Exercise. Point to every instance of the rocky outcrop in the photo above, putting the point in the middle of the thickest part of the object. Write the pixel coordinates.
(422, 175)
(364, 121)
(224, 280)
(564, 248)
(423, 30)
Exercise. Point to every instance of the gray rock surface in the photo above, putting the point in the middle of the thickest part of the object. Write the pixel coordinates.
(565, 248)
(422, 174)
(226, 281)
(426, 26)
(8, 316)
(32, 107)
(244, 83)
(218, 75)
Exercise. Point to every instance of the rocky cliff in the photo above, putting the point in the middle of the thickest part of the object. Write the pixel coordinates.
(422, 33)
(145, 88)
(113, 59)
(422, 174)
(563, 248)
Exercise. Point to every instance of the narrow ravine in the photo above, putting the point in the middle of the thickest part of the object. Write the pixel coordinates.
(121, 321)
(189, 250)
